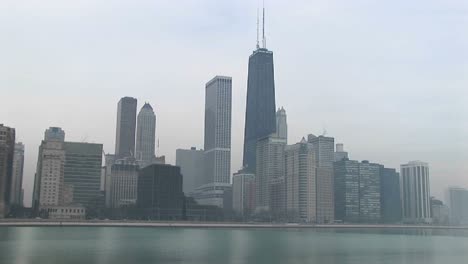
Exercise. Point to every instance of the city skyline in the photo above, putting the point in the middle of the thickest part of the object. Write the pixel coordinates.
(410, 113)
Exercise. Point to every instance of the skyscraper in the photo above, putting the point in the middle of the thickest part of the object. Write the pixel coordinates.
(124, 182)
(390, 196)
(281, 124)
(324, 157)
(17, 177)
(217, 155)
(416, 192)
(218, 129)
(191, 163)
(270, 169)
(82, 171)
(260, 117)
(146, 133)
(7, 147)
(340, 153)
(301, 189)
(458, 201)
(243, 193)
(125, 132)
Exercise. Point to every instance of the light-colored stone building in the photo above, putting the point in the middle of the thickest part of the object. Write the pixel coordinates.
(416, 193)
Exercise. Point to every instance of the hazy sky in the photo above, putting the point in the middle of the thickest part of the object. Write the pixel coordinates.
(389, 79)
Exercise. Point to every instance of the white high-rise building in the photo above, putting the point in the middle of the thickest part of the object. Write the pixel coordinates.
(217, 145)
(146, 136)
(340, 154)
(270, 173)
(301, 188)
(17, 178)
(243, 193)
(124, 182)
(457, 198)
(50, 172)
(415, 191)
(281, 124)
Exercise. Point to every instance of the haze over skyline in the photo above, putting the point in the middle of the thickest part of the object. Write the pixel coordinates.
(387, 79)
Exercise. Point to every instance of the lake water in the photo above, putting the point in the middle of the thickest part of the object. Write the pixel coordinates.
(109, 245)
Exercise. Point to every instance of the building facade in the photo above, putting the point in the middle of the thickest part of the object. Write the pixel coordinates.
(243, 192)
(54, 134)
(17, 176)
(7, 148)
(125, 132)
(159, 192)
(324, 157)
(260, 116)
(282, 124)
(340, 153)
(191, 163)
(124, 174)
(415, 191)
(390, 196)
(146, 136)
(269, 168)
(301, 189)
(457, 198)
(50, 171)
(82, 170)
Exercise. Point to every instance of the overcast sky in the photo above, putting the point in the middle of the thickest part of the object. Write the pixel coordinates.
(389, 79)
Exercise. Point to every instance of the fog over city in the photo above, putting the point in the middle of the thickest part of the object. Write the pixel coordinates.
(389, 79)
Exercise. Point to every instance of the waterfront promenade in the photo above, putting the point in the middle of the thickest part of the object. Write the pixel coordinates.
(181, 224)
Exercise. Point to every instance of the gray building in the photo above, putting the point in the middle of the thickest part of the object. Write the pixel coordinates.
(17, 176)
(301, 189)
(270, 169)
(457, 198)
(340, 153)
(191, 163)
(146, 136)
(243, 193)
(282, 124)
(7, 148)
(217, 145)
(82, 171)
(109, 160)
(124, 175)
(415, 191)
(54, 134)
(324, 156)
(125, 132)
(357, 191)
(260, 116)
(390, 196)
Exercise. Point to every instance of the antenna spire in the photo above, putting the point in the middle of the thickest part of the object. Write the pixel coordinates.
(263, 27)
(258, 45)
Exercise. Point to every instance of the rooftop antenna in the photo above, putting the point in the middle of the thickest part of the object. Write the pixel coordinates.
(263, 26)
(258, 45)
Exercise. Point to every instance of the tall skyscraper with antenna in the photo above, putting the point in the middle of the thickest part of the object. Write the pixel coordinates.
(260, 114)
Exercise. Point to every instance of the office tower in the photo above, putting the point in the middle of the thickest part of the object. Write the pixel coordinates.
(357, 191)
(17, 176)
(218, 129)
(270, 169)
(146, 136)
(324, 157)
(416, 192)
(340, 153)
(260, 119)
(301, 189)
(7, 148)
(243, 192)
(217, 160)
(191, 163)
(124, 174)
(390, 196)
(159, 192)
(54, 134)
(125, 133)
(50, 173)
(109, 160)
(82, 170)
(458, 202)
(281, 124)
(440, 213)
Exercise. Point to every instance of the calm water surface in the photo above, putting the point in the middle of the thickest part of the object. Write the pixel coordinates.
(47, 245)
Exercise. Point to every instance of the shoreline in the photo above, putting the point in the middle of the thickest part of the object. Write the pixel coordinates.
(179, 224)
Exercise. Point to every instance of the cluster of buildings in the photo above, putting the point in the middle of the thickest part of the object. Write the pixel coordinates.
(310, 181)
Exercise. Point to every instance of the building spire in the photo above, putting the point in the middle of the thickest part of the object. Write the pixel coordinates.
(263, 27)
(258, 44)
